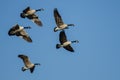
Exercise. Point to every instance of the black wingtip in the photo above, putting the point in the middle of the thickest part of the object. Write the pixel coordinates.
(72, 51)
(9, 33)
(19, 55)
(32, 69)
(55, 10)
(30, 41)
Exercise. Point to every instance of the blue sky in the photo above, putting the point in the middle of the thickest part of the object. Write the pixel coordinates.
(97, 27)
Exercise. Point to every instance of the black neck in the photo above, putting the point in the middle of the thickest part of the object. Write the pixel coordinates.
(70, 24)
(37, 63)
(28, 27)
(40, 9)
(75, 41)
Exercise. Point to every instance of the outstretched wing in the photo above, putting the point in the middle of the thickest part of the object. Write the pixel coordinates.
(24, 35)
(32, 69)
(13, 30)
(69, 48)
(35, 19)
(26, 9)
(25, 59)
(62, 37)
(58, 18)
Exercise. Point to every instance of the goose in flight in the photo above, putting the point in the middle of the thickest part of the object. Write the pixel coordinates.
(19, 31)
(59, 22)
(30, 14)
(64, 42)
(28, 65)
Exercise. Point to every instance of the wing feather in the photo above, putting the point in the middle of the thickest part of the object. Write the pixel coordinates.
(58, 18)
(62, 37)
(25, 36)
(25, 59)
(13, 30)
(26, 9)
(69, 48)
(35, 19)
(32, 69)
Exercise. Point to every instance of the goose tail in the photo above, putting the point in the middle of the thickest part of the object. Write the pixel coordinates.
(58, 46)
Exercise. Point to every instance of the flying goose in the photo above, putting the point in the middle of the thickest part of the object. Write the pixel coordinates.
(59, 22)
(20, 32)
(27, 63)
(64, 42)
(30, 14)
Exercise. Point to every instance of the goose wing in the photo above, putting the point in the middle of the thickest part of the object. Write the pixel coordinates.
(26, 9)
(25, 59)
(62, 37)
(22, 34)
(13, 30)
(58, 18)
(69, 48)
(35, 19)
(32, 69)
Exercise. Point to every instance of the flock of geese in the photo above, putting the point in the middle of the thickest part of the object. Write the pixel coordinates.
(19, 31)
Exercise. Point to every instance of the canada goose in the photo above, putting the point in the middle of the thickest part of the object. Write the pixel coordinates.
(20, 32)
(59, 22)
(64, 42)
(30, 14)
(27, 63)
